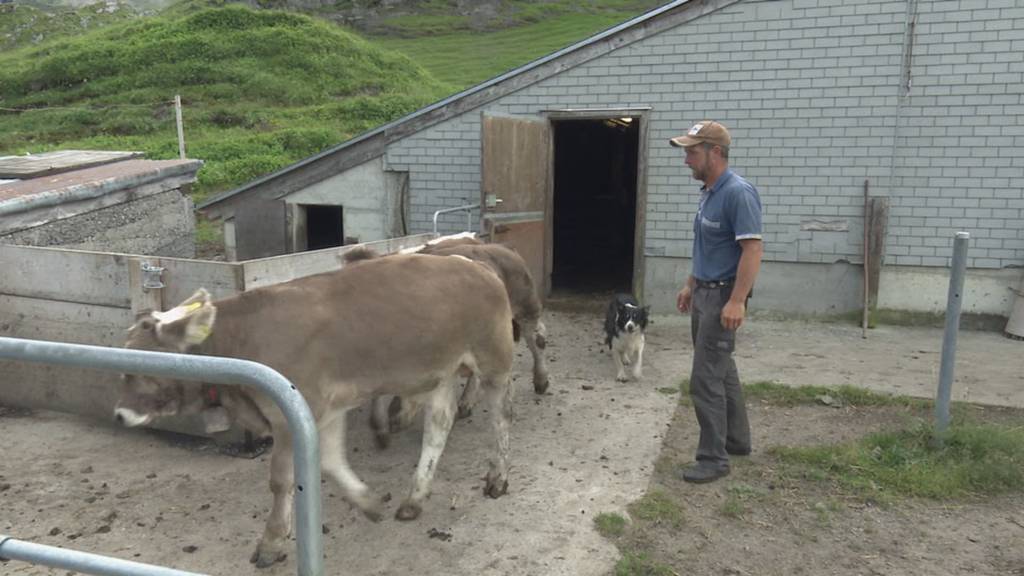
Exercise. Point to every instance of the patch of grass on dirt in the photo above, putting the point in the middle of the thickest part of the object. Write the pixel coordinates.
(975, 460)
(668, 390)
(778, 394)
(657, 507)
(610, 524)
(639, 564)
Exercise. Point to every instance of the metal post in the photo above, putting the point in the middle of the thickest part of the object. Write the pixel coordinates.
(214, 370)
(80, 561)
(953, 303)
(181, 128)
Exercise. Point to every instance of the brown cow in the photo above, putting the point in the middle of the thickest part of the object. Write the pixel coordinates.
(526, 311)
(406, 325)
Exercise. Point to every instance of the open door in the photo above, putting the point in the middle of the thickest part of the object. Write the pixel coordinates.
(515, 195)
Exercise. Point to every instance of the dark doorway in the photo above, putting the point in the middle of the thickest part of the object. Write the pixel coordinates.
(595, 189)
(324, 227)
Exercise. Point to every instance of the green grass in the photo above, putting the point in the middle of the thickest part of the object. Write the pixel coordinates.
(260, 90)
(974, 460)
(464, 59)
(640, 564)
(610, 525)
(781, 395)
(24, 25)
(657, 507)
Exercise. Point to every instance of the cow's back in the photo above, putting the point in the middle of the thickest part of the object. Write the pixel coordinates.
(386, 326)
(509, 265)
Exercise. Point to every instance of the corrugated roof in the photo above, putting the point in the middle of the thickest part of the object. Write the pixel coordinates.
(638, 21)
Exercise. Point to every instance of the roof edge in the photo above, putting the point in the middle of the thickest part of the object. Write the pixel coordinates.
(384, 129)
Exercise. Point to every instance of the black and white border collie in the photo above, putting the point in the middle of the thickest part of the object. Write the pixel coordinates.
(624, 327)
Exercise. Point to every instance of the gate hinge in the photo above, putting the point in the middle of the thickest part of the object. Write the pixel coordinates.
(151, 277)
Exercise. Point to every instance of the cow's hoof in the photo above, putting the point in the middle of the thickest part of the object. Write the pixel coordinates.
(373, 513)
(265, 557)
(496, 487)
(464, 412)
(540, 384)
(622, 378)
(408, 511)
(382, 439)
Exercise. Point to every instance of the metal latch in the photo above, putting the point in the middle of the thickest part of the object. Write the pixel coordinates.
(151, 277)
(492, 200)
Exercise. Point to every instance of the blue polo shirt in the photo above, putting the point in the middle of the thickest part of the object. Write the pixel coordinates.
(730, 211)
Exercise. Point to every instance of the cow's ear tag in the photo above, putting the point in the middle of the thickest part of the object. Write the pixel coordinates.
(200, 323)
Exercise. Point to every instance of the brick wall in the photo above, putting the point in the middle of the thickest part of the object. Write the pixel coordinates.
(811, 91)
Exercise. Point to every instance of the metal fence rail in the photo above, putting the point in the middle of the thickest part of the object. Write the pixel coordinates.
(468, 209)
(214, 370)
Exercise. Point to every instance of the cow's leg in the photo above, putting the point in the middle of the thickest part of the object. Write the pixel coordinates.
(470, 396)
(437, 423)
(334, 463)
(379, 422)
(271, 548)
(536, 340)
(499, 396)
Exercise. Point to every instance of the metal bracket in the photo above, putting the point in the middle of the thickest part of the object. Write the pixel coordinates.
(151, 277)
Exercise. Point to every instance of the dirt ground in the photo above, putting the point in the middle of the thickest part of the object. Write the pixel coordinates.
(590, 445)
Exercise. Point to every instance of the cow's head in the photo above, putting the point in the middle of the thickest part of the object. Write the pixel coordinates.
(180, 329)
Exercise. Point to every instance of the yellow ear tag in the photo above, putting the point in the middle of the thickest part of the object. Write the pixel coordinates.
(193, 307)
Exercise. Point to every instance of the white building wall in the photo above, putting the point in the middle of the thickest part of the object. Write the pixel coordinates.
(810, 90)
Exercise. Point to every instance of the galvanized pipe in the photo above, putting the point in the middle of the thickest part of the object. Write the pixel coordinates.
(80, 561)
(213, 370)
(953, 305)
(468, 208)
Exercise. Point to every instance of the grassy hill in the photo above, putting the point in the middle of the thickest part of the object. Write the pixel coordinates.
(264, 88)
(260, 89)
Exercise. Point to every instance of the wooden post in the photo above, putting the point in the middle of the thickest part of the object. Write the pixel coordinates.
(867, 263)
(876, 243)
(181, 130)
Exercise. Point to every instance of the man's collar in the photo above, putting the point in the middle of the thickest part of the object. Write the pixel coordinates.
(718, 183)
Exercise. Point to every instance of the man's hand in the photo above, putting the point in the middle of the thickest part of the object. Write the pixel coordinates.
(683, 299)
(732, 314)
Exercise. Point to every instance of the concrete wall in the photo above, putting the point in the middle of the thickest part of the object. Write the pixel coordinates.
(161, 224)
(811, 90)
(370, 198)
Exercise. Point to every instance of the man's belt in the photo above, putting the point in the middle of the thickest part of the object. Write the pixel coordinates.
(714, 283)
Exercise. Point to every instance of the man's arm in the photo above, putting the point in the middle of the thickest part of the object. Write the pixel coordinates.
(746, 274)
(685, 295)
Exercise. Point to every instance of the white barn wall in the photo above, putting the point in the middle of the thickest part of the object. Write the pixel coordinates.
(810, 89)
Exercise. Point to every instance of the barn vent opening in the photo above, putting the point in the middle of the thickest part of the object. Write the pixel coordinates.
(595, 198)
(324, 226)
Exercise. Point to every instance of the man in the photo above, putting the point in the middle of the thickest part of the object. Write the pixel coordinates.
(726, 258)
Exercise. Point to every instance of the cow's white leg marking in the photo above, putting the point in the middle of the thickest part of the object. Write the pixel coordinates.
(437, 423)
(499, 397)
(334, 463)
(271, 548)
(535, 334)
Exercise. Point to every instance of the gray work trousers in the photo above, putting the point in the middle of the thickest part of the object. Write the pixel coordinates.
(714, 382)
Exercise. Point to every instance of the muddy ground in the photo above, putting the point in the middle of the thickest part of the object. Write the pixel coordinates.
(590, 445)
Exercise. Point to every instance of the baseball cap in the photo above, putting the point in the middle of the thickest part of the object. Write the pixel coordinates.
(704, 131)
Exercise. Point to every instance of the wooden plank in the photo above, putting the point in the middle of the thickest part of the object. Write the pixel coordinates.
(57, 321)
(183, 277)
(143, 299)
(876, 247)
(32, 385)
(97, 278)
(277, 269)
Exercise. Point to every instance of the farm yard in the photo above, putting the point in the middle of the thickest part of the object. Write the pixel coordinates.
(591, 447)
